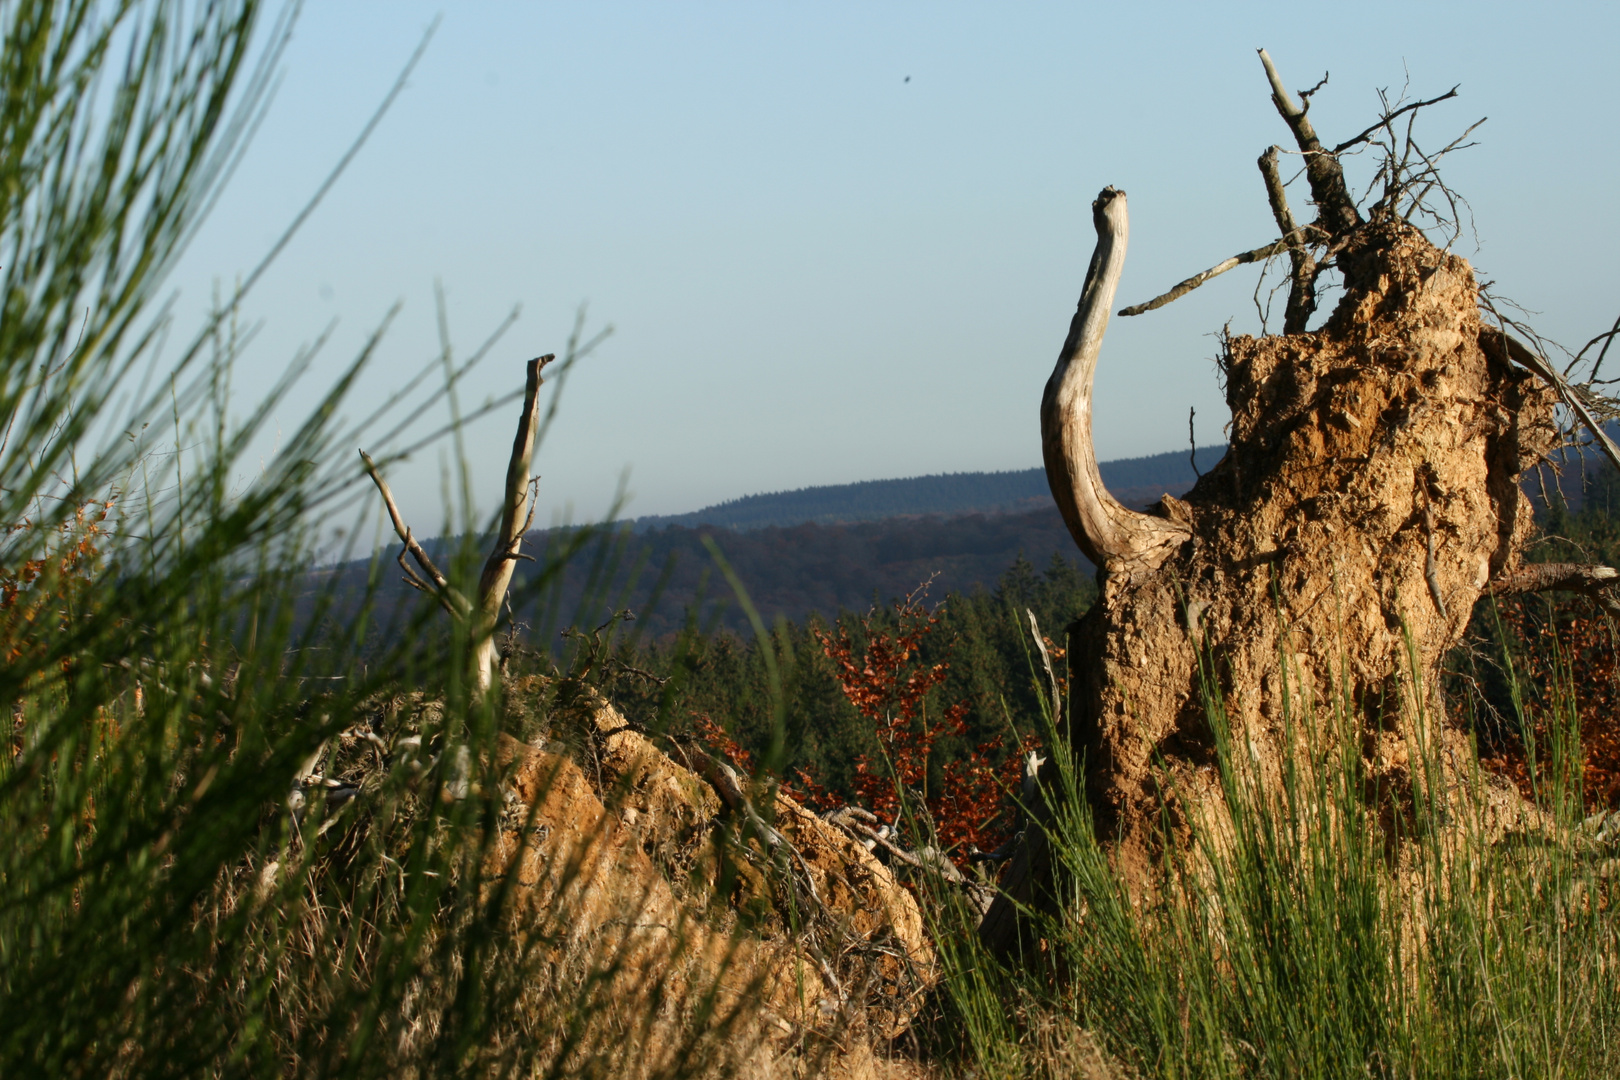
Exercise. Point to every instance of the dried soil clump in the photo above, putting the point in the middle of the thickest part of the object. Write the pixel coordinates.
(632, 873)
(1370, 493)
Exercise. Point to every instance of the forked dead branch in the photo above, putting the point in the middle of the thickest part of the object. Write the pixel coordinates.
(483, 611)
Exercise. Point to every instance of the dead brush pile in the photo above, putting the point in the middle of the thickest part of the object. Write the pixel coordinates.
(624, 912)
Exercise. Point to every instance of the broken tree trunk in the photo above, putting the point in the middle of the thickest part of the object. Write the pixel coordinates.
(1370, 492)
(482, 611)
(517, 514)
(1369, 496)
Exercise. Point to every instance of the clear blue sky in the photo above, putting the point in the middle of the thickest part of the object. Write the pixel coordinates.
(819, 272)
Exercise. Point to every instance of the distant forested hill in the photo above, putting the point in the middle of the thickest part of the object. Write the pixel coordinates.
(840, 547)
(666, 574)
(828, 549)
(817, 550)
(1132, 480)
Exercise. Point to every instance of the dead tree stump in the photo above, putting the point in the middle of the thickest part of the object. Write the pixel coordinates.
(1369, 496)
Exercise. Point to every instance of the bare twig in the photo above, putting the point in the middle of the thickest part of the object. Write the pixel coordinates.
(1306, 95)
(1276, 247)
(415, 581)
(1432, 172)
(453, 601)
(594, 647)
(1385, 120)
(1607, 339)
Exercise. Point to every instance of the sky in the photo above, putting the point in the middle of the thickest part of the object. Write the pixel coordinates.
(840, 242)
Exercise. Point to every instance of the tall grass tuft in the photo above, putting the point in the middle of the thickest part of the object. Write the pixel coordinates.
(1308, 931)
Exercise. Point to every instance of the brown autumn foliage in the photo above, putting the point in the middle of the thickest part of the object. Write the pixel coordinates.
(45, 594)
(1567, 665)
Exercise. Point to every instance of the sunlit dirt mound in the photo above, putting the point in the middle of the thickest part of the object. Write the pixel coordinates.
(632, 867)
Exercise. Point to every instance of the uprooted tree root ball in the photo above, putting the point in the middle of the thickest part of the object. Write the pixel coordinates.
(1369, 496)
(1321, 572)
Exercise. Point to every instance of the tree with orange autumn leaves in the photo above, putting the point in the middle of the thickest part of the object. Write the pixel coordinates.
(965, 802)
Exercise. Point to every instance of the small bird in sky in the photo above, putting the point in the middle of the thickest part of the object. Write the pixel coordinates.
(908, 78)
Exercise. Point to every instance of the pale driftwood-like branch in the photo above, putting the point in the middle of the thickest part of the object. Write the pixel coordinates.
(1113, 537)
(517, 514)
(729, 786)
(1302, 291)
(1334, 204)
(1539, 577)
(1505, 344)
(858, 823)
(1595, 581)
(1046, 663)
(400, 527)
(438, 585)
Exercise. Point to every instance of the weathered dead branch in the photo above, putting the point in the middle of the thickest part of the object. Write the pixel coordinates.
(1052, 684)
(436, 584)
(1593, 580)
(1302, 290)
(1259, 254)
(1337, 210)
(1509, 347)
(483, 611)
(1113, 537)
(1314, 248)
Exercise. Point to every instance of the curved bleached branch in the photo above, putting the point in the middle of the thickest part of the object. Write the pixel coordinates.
(1110, 535)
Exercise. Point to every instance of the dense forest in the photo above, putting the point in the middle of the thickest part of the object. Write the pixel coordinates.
(982, 636)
